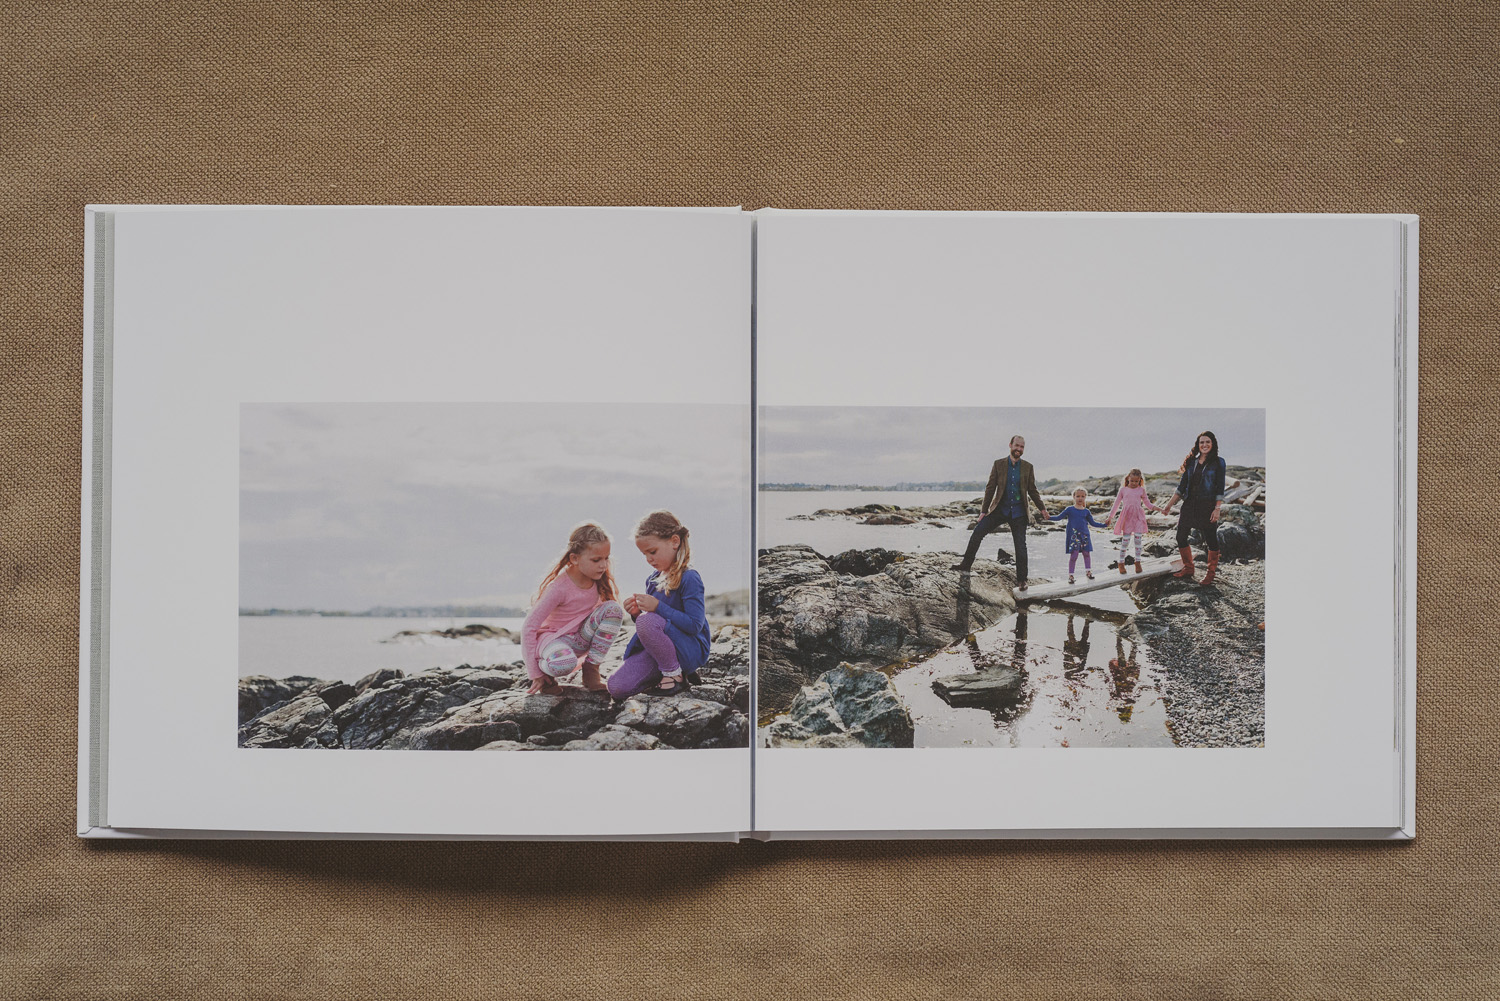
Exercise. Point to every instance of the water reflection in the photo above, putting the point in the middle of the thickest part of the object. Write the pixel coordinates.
(1076, 651)
(1124, 676)
(1039, 678)
(998, 682)
(985, 660)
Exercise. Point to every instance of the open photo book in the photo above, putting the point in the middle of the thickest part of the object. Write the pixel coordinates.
(862, 524)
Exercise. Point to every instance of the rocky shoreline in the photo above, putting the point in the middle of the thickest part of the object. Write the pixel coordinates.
(835, 629)
(867, 608)
(1210, 642)
(965, 513)
(486, 708)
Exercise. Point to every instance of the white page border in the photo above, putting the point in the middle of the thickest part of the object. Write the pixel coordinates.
(834, 289)
(215, 307)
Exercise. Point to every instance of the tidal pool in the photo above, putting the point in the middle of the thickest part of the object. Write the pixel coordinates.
(1082, 683)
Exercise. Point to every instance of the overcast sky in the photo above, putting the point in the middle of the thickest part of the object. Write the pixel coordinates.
(348, 506)
(885, 445)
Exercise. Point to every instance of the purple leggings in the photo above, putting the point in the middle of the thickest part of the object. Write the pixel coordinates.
(1088, 562)
(643, 669)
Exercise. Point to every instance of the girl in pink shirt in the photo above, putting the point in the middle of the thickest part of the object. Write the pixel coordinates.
(1130, 501)
(575, 615)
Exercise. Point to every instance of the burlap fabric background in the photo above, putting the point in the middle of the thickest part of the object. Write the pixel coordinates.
(1324, 107)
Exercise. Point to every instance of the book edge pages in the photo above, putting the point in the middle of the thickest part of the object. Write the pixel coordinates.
(94, 528)
(754, 519)
(1407, 545)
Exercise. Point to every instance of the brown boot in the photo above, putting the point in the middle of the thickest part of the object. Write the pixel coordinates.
(1122, 564)
(1137, 564)
(591, 679)
(1213, 564)
(1187, 563)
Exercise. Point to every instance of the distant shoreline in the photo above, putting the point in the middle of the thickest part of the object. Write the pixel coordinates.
(727, 605)
(938, 486)
(432, 612)
(898, 488)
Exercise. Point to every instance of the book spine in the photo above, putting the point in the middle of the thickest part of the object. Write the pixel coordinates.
(94, 527)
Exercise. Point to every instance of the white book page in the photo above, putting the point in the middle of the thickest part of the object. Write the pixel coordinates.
(1294, 316)
(217, 311)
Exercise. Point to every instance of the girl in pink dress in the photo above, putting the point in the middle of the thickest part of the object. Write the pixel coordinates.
(576, 615)
(1129, 502)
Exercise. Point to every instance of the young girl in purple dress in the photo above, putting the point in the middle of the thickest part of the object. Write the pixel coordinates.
(1078, 539)
(671, 624)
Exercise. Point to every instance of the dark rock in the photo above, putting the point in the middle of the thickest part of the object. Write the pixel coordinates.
(892, 514)
(713, 693)
(996, 688)
(856, 703)
(259, 693)
(729, 656)
(1166, 546)
(335, 693)
(494, 716)
(389, 715)
(466, 707)
(833, 740)
(377, 679)
(615, 738)
(1239, 541)
(680, 721)
(888, 519)
(863, 562)
(507, 730)
(473, 631)
(292, 724)
(811, 618)
(1240, 515)
(736, 730)
(557, 738)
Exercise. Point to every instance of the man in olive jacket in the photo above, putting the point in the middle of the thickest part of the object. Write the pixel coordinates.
(1012, 482)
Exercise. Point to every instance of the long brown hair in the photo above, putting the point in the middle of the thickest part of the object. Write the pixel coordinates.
(663, 525)
(585, 535)
(1192, 455)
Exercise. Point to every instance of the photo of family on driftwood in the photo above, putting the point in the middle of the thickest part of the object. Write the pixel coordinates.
(340, 512)
(871, 635)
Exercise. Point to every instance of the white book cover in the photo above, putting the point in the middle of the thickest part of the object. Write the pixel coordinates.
(836, 513)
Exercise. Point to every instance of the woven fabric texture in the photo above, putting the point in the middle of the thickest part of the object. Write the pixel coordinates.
(1319, 107)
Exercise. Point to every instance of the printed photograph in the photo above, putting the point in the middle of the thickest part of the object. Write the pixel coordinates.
(1000, 577)
(496, 577)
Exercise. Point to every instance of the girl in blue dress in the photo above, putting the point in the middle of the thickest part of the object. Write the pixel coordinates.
(1078, 539)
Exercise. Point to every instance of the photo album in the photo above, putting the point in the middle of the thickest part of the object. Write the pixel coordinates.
(863, 524)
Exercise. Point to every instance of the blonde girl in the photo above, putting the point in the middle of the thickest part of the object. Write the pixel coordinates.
(671, 627)
(1131, 502)
(575, 615)
(1078, 539)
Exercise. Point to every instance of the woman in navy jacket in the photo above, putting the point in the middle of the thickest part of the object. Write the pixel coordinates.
(1201, 491)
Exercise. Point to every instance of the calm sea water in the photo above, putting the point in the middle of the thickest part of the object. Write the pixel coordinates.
(347, 649)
